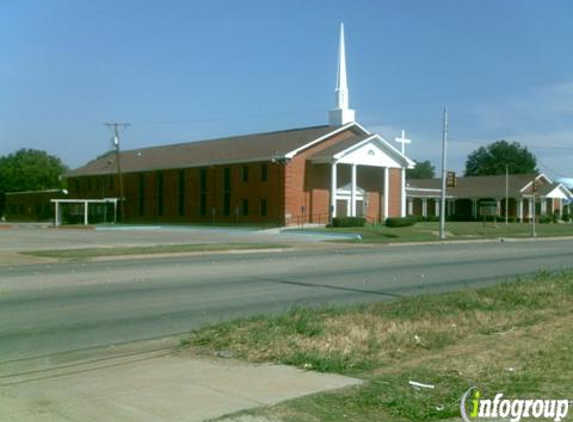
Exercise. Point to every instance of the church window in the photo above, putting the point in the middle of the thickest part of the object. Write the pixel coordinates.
(181, 193)
(264, 173)
(263, 207)
(203, 192)
(227, 191)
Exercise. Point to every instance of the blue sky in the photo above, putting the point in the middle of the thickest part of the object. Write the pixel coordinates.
(189, 70)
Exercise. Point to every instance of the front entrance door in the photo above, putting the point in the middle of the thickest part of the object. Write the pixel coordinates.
(342, 207)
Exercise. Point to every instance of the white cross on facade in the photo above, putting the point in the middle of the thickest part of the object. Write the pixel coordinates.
(403, 141)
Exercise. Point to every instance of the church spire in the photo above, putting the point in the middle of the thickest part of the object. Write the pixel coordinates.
(341, 115)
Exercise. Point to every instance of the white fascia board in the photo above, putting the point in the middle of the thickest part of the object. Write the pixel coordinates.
(540, 175)
(385, 147)
(560, 191)
(401, 157)
(353, 148)
(323, 137)
(409, 163)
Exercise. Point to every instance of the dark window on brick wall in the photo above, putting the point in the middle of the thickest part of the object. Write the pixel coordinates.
(245, 174)
(245, 207)
(264, 207)
(203, 192)
(141, 194)
(227, 191)
(159, 192)
(181, 193)
(264, 172)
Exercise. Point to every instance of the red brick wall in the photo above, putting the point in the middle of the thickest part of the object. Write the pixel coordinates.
(252, 190)
(289, 187)
(312, 191)
(395, 197)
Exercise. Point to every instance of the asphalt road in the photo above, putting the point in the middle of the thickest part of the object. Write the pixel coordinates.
(47, 311)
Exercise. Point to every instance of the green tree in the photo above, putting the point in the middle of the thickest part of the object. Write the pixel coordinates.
(493, 158)
(422, 170)
(29, 169)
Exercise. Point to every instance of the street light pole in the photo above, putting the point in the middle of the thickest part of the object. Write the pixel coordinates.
(444, 171)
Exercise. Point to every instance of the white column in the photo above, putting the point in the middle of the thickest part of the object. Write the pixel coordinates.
(474, 208)
(57, 214)
(403, 193)
(386, 191)
(333, 188)
(436, 207)
(353, 192)
(424, 207)
(543, 206)
(560, 208)
(410, 206)
(520, 210)
(86, 213)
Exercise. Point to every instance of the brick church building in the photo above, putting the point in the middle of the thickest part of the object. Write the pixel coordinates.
(287, 177)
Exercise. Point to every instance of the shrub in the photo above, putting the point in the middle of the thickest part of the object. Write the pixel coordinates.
(400, 221)
(545, 219)
(348, 222)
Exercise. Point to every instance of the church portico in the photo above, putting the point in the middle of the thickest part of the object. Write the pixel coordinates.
(358, 170)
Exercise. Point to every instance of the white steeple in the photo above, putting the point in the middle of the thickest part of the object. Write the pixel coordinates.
(341, 115)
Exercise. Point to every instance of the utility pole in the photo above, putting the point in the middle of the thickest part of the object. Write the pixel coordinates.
(115, 129)
(444, 175)
(506, 194)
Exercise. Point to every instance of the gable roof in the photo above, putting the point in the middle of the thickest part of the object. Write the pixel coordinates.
(482, 186)
(347, 146)
(236, 149)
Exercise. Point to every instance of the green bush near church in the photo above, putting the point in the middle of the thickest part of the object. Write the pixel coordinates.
(348, 222)
(401, 221)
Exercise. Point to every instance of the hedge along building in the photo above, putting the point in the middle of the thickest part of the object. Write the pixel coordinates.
(464, 201)
(287, 177)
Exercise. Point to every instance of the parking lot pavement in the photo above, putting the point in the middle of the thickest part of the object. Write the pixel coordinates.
(36, 237)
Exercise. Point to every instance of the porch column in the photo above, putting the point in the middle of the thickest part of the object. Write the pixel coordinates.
(386, 189)
(543, 206)
(57, 218)
(410, 206)
(424, 207)
(498, 207)
(86, 209)
(403, 192)
(475, 209)
(560, 208)
(436, 207)
(353, 192)
(520, 210)
(333, 189)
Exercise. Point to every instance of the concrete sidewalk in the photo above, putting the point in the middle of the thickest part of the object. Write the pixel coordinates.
(159, 389)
